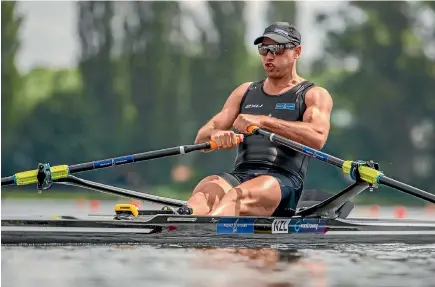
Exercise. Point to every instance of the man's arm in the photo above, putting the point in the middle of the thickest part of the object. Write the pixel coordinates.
(313, 131)
(225, 118)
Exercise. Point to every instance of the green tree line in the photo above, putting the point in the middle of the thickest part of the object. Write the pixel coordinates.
(154, 87)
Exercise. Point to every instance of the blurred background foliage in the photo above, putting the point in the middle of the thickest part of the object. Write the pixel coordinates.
(150, 86)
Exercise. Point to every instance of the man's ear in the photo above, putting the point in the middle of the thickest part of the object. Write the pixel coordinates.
(298, 51)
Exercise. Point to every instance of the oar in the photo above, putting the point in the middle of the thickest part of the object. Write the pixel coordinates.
(46, 174)
(118, 191)
(355, 169)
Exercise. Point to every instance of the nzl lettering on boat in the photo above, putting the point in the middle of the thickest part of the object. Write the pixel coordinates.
(280, 225)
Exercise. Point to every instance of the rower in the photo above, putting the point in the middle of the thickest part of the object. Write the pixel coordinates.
(267, 180)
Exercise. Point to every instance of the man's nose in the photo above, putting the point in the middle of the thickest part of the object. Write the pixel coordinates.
(270, 55)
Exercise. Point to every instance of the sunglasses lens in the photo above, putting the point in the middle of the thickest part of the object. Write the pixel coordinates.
(274, 49)
(262, 51)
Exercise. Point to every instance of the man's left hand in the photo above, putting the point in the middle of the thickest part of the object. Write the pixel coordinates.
(244, 121)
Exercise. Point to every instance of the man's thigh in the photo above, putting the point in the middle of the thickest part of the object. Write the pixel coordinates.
(259, 196)
(291, 191)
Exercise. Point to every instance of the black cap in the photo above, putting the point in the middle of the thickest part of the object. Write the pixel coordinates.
(282, 33)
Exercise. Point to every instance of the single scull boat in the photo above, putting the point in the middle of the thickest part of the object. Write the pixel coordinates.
(315, 222)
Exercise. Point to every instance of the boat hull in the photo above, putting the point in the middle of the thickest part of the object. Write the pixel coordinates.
(68, 237)
(213, 231)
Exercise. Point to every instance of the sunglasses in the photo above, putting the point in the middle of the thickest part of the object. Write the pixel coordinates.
(276, 49)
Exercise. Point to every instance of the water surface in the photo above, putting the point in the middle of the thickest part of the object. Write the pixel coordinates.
(274, 265)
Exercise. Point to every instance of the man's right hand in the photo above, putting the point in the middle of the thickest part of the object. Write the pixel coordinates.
(226, 139)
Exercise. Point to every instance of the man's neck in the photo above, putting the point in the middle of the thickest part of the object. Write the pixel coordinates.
(291, 79)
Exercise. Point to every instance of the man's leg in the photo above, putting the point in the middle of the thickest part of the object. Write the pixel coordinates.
(259, 196)
(207, 194)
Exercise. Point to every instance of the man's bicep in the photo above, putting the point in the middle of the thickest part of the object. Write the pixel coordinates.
(318, 113)
(225, 118)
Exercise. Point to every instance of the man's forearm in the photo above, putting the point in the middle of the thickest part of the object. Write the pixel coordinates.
(300, 132)
(205, 132)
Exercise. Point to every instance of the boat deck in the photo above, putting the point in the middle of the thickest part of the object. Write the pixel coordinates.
(223, 231)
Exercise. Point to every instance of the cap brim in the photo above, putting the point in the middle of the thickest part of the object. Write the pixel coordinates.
(275, 37)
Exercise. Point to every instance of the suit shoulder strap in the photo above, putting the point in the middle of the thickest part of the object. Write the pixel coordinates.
(253, 86)
(301, 92)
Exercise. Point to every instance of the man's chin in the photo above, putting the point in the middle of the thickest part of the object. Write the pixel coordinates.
(273, 75)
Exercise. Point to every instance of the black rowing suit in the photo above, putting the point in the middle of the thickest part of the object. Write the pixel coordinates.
(258, 156)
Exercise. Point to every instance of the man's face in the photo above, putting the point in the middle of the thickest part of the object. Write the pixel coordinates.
(279, 65)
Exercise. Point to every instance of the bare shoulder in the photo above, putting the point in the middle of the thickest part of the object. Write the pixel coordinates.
(241, 90)
(318, 96)
(237, 94)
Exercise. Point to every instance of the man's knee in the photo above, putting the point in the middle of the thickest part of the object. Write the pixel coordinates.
(212, 186)
(208, 182)
(255, 190)
(210, 191)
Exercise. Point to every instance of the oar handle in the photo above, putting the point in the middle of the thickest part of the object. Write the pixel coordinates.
(214, 145)
(8, 180)
(252, 129)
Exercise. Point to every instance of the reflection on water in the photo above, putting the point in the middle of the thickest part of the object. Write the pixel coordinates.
(269, 267)
(351, 265)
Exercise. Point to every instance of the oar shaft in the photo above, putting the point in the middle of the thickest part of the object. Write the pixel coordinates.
(8, 180)
(366, 173)
(299, 147)
(136, 157)
(407, 188)
(62, 171)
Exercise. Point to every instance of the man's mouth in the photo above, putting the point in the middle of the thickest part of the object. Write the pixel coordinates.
(269, 66)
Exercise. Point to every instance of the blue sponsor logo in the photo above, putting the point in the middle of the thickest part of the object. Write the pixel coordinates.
(115, 161)
(103, 163)
(285, 106)
(315, 153)
(235, 225)
(307, 225)
(122, 160)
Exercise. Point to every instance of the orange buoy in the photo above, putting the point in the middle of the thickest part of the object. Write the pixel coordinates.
(400, 212)
(429, 209)
(95, 205)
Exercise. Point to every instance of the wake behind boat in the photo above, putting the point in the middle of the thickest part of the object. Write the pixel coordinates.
(315, 222)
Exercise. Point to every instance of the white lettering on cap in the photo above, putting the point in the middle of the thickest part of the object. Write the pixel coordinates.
(281, 32)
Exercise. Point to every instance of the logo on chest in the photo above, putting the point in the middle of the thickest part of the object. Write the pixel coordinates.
(285, 106)
(253, 106)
